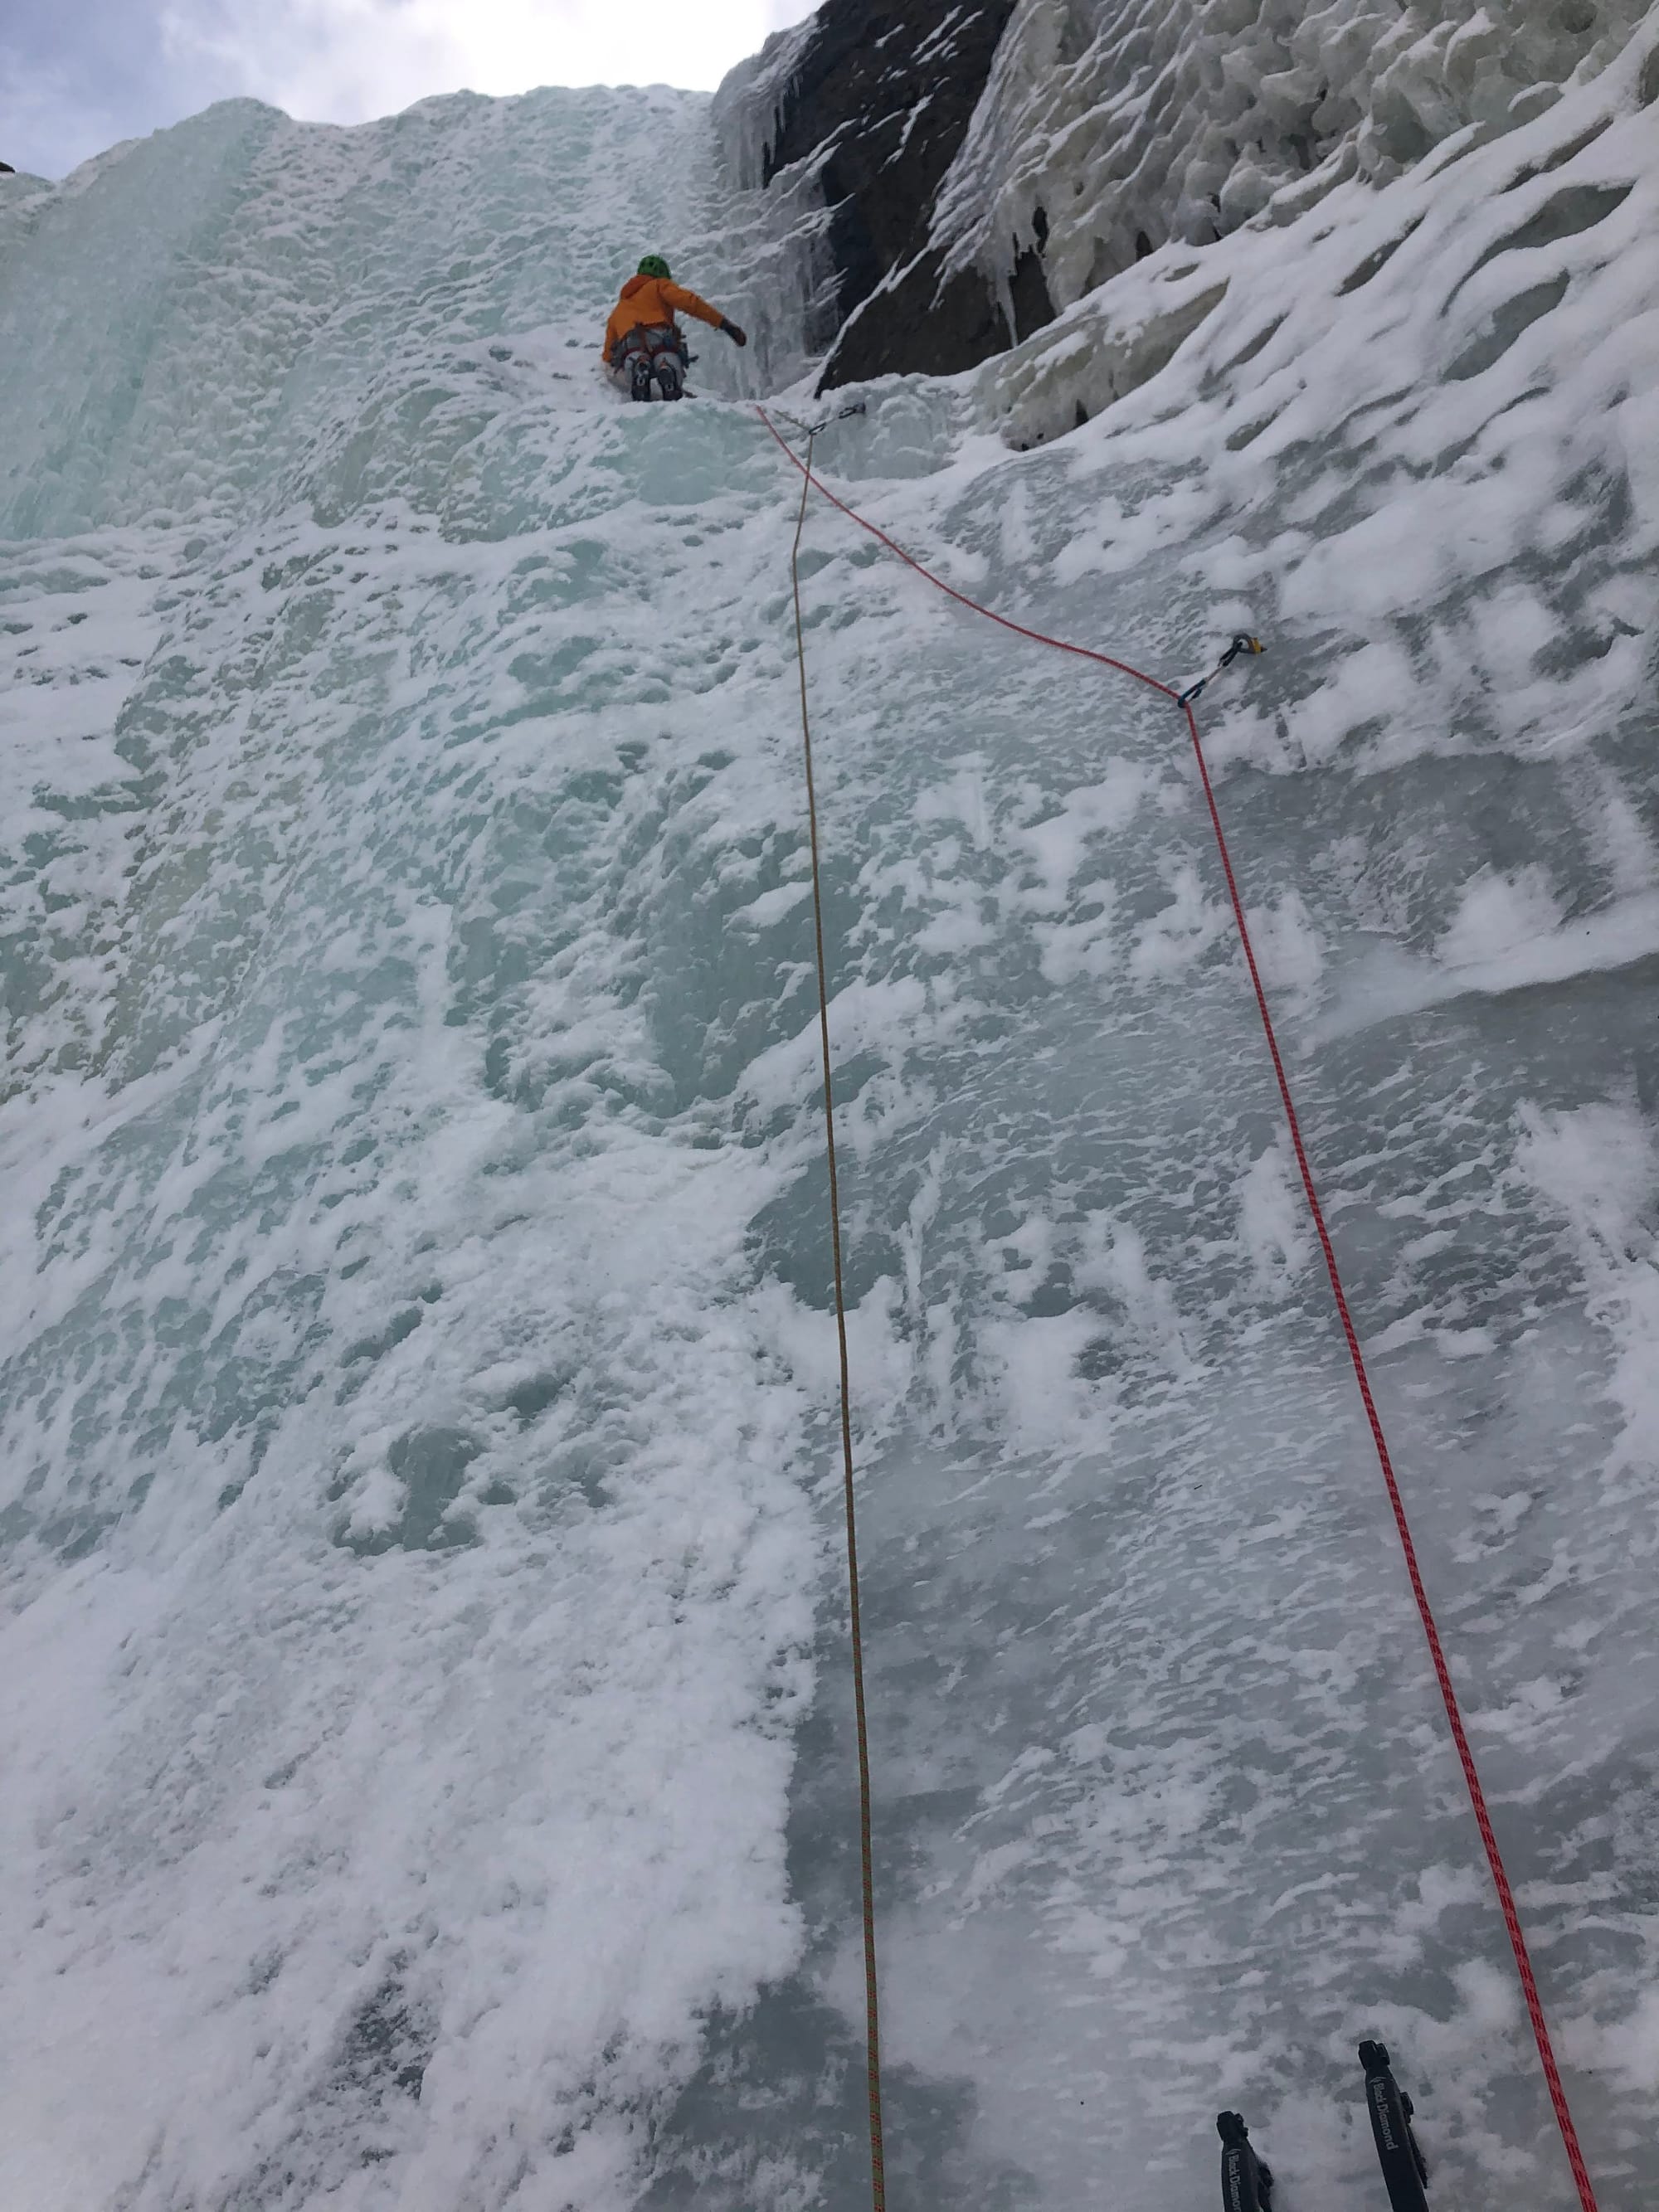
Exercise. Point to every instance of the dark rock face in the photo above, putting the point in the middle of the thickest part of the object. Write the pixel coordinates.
(880, 102)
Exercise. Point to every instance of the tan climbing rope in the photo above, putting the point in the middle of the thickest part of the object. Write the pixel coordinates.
(871, 2015)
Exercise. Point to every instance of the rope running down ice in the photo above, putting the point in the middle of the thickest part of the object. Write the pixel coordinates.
(871, 2015)
(1442, 1672)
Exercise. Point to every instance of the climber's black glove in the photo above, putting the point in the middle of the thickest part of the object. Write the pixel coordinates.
(737, 337)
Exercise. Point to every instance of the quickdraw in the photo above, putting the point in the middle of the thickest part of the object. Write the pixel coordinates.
(812, 430)
(1242, 643)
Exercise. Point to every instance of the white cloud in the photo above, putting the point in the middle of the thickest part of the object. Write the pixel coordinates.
(341, 61)
(77, 74)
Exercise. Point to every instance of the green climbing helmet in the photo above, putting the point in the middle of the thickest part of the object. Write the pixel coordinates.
(653, 265)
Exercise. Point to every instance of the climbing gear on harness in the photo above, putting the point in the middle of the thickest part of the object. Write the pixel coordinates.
(1242, 643)
(1404, 2169)
(1245, 643)
(655, 266)
(1247, 2185)
(653, 350)
(651, 338)
(872, 2009)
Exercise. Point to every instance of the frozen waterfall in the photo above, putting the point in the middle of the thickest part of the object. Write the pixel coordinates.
(422, 1700)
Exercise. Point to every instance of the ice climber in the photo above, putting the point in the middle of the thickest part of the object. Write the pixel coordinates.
(642, 341)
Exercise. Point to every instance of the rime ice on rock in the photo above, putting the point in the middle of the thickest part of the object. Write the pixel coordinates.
(1106, 129)
(1131, 124)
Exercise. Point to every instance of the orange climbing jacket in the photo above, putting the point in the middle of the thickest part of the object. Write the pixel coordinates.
(650, 300)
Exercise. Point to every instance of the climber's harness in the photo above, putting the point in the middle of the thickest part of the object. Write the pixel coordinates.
(651, 339)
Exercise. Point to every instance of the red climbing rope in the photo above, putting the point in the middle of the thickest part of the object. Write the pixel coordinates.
(1436, 1651)
(1082, 652)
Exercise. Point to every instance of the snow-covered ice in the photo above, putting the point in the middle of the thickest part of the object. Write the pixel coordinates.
(422, 1700)
(1130, 124)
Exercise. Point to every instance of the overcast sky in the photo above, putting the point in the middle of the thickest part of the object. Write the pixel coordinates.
(77, 75)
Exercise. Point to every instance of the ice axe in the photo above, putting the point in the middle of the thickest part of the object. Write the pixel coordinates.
(1247, 2185)
(1405, 2170)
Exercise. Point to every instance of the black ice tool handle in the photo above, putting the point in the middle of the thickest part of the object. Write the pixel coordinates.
(1247, 2185)
(1404, 2171)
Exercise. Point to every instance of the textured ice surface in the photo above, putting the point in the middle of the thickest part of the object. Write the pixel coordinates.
(421, 1698)
(1109, 127)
